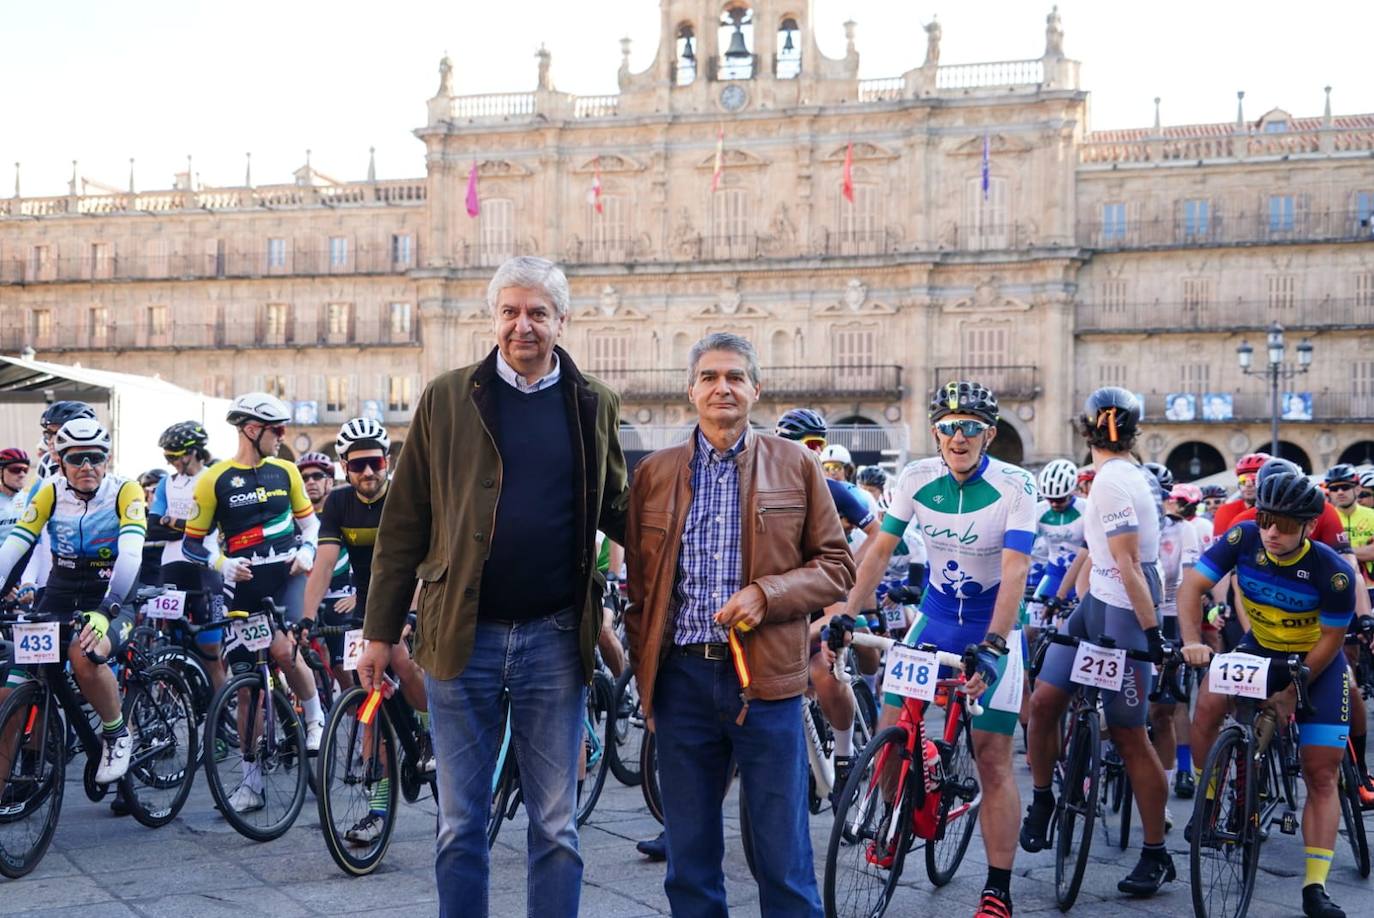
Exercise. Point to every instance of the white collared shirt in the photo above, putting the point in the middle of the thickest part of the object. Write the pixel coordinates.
(514, 379)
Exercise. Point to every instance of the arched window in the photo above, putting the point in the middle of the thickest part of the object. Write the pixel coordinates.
(685, 61)
(788, 61)
(736, 38)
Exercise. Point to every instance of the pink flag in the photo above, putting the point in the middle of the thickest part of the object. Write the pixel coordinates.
(720, 159)
(594, 196)
(847, 181)
(474, 204)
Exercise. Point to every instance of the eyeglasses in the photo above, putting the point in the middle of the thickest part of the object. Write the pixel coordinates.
(314, 476)
(1284, 524)
(358, 466)
(1340, 488)
(92, 458)
(815, 444)
(16, 467)
(969, 427)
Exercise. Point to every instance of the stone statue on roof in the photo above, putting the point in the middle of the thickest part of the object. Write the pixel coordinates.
(933, 32)
(445, 76)
(1054, 34)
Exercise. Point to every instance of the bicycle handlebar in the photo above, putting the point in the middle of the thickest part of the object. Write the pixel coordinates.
(958, 662)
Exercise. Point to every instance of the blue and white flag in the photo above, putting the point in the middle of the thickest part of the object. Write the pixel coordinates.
(985, 167)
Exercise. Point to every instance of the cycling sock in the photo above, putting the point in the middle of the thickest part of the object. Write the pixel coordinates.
(1185, 757)
(1197, 779)
(381, 792)
(999, 883)
(1361, 743)
(423, 717)
(1043, 796)
(1318, 866)
(314, 714)
(114, 728)
(844, 740)
(1169, 776)
(1155, 852)
(252, 776)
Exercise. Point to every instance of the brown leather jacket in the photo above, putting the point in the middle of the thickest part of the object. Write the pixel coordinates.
(791, 540)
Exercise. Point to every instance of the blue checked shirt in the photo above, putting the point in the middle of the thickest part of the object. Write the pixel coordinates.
(708, 566)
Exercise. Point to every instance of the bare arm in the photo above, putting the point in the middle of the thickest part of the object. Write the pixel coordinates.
(320, 575)
(1070, 581)
(870, 570)
(1125, 549)
(1007, 607)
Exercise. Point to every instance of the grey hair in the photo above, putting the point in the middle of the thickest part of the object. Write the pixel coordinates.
(535, 273)
(724, 341)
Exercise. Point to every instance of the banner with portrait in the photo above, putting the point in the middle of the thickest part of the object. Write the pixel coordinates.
(1217, 406)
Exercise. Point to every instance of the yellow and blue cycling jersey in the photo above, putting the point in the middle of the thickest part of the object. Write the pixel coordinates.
(1288, 601)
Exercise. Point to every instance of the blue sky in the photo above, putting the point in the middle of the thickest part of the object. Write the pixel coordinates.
(100, 82)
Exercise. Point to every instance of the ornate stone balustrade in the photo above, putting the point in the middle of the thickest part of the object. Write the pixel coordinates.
(1190, 143)
(991, 73)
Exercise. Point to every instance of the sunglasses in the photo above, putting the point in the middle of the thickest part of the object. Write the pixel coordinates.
(832, 466)
(358, 466)
(21, 469)
(92, 458)
(1284, 524)
(173, 457)
(314, 476)
(1244, 480)
(969, 427)
(815, 444)
(1363, 495)
(1340, 488)
(278, 429)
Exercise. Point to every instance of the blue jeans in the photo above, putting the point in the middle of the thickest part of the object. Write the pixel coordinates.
(696, 702)
(539, 665)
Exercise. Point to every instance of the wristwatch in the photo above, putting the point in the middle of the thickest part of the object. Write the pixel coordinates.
(996, 642)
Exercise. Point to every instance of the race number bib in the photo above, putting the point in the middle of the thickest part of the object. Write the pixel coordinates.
(911, 673)
(171, 604)
(894, 615)
(182, 509)
(353, 648)
(255, 633)
(36, 642)
(1102, 667)
(1240, 674)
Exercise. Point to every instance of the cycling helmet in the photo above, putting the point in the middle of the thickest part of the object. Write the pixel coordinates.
(1161, 474)
(836, 453)
(81, 432)
(258, 406)
(47, 466)
(315, 461)
(1058, 479)
(1186, 494)
(1212, 491)
(1086, 473)
(1274, 466)
(1291, 495)
(1367, 479)
(59, 413)
(1344, 473)
(872, 476)
(364, 433)
(183, 436)
(1113, 410)
(1250, 463)
(152, 477)
(800, 423)
(12, 455)
(964, 397)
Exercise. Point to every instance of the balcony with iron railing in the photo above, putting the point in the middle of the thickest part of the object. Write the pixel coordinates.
(245, 333)
(1253, 407)
(289, 261)
(892, 441)
(1242, 229)
(1239, 315)
(1206, 143)
(1018, 383)
(788, 382)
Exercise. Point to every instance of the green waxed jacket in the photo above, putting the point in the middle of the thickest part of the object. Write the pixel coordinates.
(441, 510)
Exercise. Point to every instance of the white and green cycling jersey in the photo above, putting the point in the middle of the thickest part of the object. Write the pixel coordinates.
(966, 526)
(1058, 533)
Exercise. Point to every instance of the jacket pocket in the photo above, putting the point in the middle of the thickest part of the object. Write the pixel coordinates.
(653, 531)
(781, 512)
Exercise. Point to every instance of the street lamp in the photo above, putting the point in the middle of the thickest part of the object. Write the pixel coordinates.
(1275, 371)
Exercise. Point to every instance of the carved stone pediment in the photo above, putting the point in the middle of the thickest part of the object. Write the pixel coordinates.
(730, 302)
(610, 306)
(987, 296)
(854, 301)
(610, 162)
(733, 159)
(863, 151)
(997, 144)
(501, 168)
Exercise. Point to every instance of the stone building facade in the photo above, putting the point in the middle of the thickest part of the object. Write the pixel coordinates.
(871, 236)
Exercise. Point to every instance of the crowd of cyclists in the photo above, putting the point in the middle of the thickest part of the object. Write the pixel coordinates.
(1031, 579)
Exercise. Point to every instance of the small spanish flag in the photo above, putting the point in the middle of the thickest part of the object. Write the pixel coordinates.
(737, 655)
(369, 708)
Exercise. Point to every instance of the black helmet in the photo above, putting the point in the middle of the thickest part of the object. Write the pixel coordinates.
(183, 435)
(1289, 494)
(1162, 475)
(1344, 473)
(1114, 410)
(800, 423)
(1274, 465)
(152, 477)
(871, 475)
(963, 397)
(59, 413)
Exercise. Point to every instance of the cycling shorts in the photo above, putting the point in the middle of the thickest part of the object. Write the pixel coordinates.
(1092, 619)
(270, 581)
(61, 604)
(1002, 700)
(1329, 723)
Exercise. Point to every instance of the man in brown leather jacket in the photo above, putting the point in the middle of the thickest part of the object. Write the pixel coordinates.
(732, 542)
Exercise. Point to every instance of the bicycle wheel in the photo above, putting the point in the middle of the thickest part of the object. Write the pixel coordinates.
(33, 766)
(1077, 809)
(866, 711)
(598, 723)
(960, 799)
(162, 761)
(648, 769)
(870, 836)
(625, 734)
(1353, 816)
(273, 768)
(1224, 848)
(357, 810)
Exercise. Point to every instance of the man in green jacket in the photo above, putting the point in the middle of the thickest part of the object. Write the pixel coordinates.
(510, 468)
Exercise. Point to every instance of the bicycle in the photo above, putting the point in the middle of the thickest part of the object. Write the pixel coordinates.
(626, 731)
(1247, 778)
(267, 719)
(33, 756)
(905, 786)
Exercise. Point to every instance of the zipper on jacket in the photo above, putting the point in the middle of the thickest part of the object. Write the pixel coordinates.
(765, 510)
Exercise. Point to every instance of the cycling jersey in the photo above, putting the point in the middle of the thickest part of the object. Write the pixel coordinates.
(965, 526)
(254, 508)
(1359, 530)
(1226, 516)
(849, 505)
(1122, 501)
(1205, 536)
(10, 507)
(1058, 533)
(351, 522)
(1287, 601)
(175, 498)
(96, 543)
(1178, 551)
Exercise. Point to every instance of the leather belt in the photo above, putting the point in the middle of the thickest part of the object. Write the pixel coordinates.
(710, 651)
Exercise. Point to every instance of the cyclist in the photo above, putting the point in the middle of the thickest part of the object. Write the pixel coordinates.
(339, 602)
(95, 525)
(14, 469)
(1366, 493)
(253, 499)
(836, 463)
(184, 447)
(1189, 499)
(1086, 474)
(1058, 528)
(808, 428)
(874, 482)
(1342, 482)
(150, 573)
(1122, 532)
(1179, 548)
(1246, 468)
(1300, 596)
(978, 516)
(1213, 496)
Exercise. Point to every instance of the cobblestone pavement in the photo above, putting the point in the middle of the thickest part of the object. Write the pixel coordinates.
(197, 866)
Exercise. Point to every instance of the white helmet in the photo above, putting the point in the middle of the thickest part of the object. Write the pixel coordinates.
(80, 432)
(836, 453)
(1058, 479)
(258, 406)
(364, 432)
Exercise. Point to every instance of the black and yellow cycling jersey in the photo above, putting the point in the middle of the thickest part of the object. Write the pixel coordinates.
(255, 508)
(351, 522)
